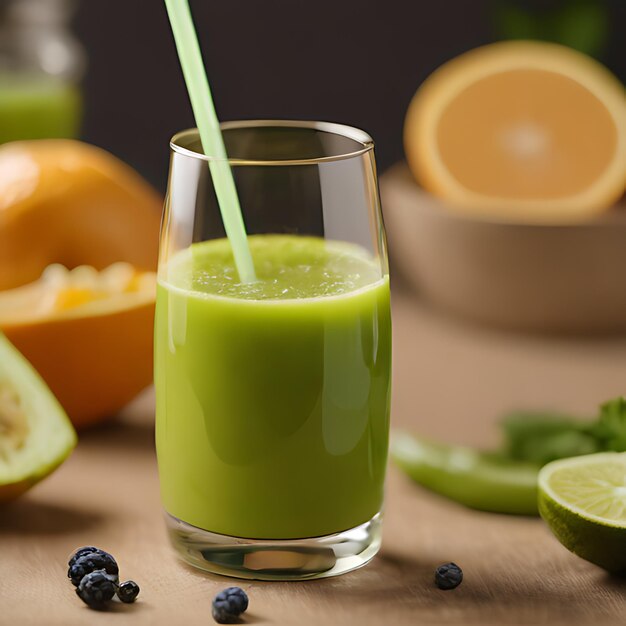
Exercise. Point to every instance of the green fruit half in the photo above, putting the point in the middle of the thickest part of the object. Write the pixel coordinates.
(36, 435)
(480, 480)
(583, 500)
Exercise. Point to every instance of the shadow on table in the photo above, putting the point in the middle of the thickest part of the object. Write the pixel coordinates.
(133, 428)
(121, 434)
(395, 578)
(26, 517)
(615, 581)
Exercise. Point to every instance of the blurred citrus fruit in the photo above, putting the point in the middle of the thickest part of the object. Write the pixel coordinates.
(520, 130)
(35, 434)
(583, 500)
(88, 333)
(64, 201)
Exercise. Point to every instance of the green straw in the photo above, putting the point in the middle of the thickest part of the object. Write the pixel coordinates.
(210, 134)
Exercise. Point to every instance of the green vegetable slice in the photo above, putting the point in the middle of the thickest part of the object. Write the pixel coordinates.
(479, 480)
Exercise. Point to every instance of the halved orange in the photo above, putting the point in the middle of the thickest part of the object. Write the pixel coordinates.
(64, 201)
(520, 131)
(88, 333)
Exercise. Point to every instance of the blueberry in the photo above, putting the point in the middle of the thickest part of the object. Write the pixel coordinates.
(81, 552)
(448, 576)
(90, 562)
(237, 598)
(229, 604)
(128, 591)
(221, 613)
(97, 588)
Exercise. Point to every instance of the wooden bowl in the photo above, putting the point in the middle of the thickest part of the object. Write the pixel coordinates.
(550, 278)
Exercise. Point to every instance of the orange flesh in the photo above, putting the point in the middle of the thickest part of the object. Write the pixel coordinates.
(525, 137)
(72, 297)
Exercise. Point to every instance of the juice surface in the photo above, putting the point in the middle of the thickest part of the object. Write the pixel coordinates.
(273, 398)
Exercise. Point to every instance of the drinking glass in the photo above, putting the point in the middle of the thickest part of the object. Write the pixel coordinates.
(273, 396)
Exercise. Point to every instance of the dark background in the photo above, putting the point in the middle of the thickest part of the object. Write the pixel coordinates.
(351, 61)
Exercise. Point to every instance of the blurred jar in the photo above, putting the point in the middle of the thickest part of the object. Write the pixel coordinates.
(41, 64)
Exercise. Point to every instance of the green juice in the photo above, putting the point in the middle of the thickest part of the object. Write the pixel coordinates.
(37, 108)
(273, 397)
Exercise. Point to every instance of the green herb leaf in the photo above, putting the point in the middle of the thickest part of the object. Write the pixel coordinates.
(580, 24)
(610, 429)
(543, 437)
(513, 22)
(583, 25)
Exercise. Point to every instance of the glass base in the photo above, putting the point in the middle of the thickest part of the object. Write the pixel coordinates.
(276, 559)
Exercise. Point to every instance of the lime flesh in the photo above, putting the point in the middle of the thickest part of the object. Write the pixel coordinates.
(583, 500)
(35, 434)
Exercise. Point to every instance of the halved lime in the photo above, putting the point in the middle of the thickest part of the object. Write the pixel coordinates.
(583, 500)
(480, 480)
(36, 435)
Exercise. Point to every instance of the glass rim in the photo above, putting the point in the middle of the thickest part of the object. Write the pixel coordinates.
(349, 132)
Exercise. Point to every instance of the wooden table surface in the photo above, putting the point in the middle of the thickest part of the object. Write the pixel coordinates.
(450, 381)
